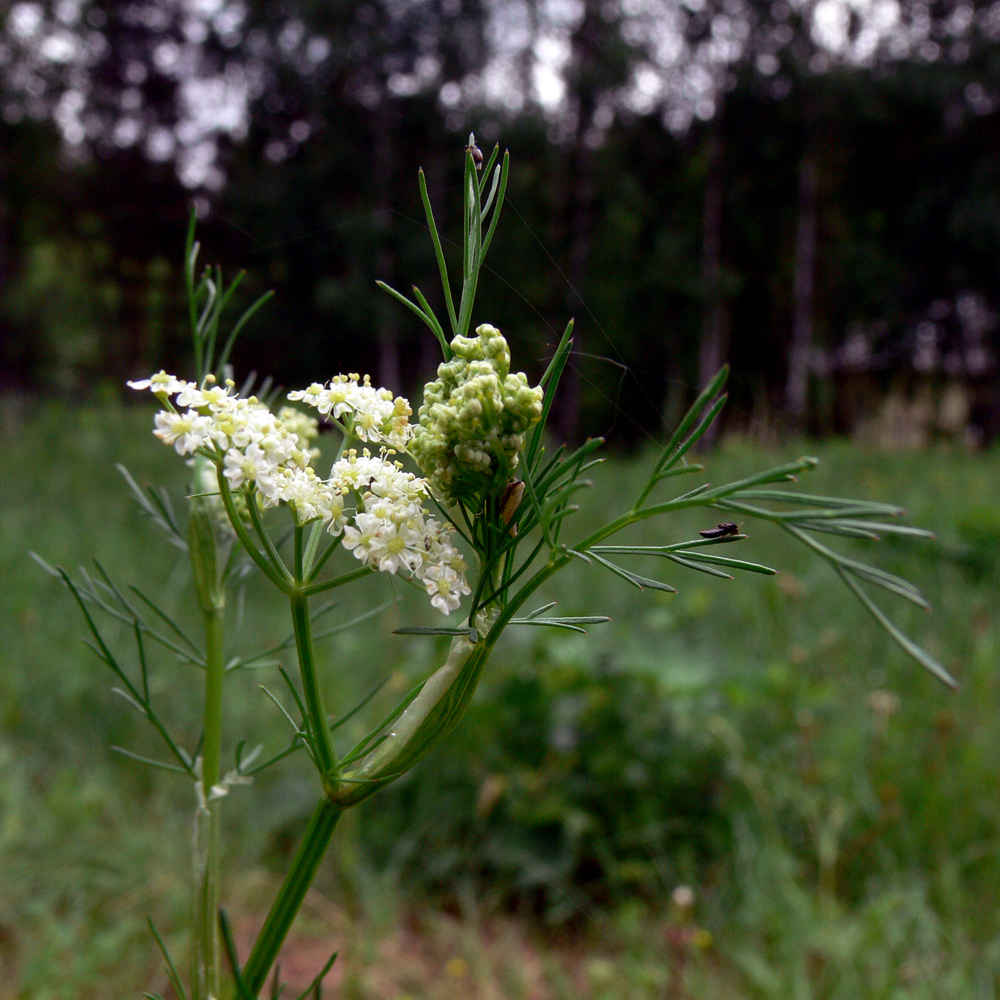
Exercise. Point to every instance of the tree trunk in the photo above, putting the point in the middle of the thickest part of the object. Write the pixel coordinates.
(387, 331)
(714, 344)
(797, 386)
(579, 210)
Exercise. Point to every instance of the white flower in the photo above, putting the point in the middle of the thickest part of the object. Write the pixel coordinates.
(301, 489)
(445, 586)
(402, 544)
(187, 432)
(370, 499)
(252, 465)
(212, 396)
(369, 414)
(363, 536)
(331, 509)
(161, 382)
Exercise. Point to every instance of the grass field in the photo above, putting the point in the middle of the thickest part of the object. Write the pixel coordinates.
(834, 810)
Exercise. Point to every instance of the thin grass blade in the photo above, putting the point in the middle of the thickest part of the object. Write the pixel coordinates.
(314, 986)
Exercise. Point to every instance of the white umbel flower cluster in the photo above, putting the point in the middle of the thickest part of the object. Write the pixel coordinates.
(367, 413)
(376, 505)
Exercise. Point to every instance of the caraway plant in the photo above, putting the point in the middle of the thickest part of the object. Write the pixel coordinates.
(469, 501)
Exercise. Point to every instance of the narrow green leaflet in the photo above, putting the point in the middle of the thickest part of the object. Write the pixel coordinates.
(635, 579)
(904, 641)
(691, 564)
(243, 991)
(571, 623)
(162, 765)
(743, 564)
(175, 979)
(157, 506)
(672, 452)
(470, 633)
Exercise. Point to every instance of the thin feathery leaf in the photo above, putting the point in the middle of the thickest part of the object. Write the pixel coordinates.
(815, 500)
(697, 567)
(679, 470)
(494, 184)
(550, 383)
(780, 473)
(642, 582)
(175, 979)
(281, 708)
(571, 623)
(541, 610)
(439, 254)
(432, 325)
(504, 173)
(337, 723)
(491, 161)
(688, 421)
(696, 492)
(696, 435)
(240, 323)
(433, 321)
(156, 506)
(177, 630)
(742, 564)
(877, 529)
(547, 623)
(902, 640)
(243, 991)
(133, 701)
(162, 765)
(470, 633)
(880, 577)
(654, 550)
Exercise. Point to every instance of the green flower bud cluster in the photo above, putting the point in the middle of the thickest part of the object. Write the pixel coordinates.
(474, 417)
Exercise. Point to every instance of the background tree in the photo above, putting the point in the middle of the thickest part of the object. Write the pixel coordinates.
(802, 189)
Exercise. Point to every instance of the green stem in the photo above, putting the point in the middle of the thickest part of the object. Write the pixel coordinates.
(322, 746)
(338, 581)
(279, 578)
(293, 890)
(299, 546)
(215, 672)
(319, 563)
(206, 952)
(265, 538)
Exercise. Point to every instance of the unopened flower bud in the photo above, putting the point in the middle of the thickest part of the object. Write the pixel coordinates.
(474, 417)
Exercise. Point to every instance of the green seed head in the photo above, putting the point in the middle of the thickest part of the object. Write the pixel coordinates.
(474, 417)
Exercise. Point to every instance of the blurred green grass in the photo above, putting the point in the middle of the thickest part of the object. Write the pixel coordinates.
(834, 808)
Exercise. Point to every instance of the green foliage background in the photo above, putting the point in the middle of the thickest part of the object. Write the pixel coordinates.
(744, 738)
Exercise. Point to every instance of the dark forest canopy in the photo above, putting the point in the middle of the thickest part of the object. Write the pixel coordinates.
(808, 189)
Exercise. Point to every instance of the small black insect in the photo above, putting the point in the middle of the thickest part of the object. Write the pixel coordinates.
(726, 528)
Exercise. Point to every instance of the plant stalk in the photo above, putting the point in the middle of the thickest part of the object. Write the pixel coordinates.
(293, 890)
(207, 850)
(326, 759)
